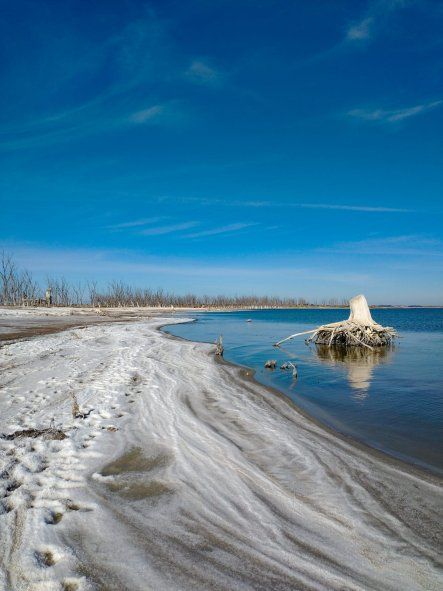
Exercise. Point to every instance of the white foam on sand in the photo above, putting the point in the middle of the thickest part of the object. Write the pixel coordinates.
(181, 476)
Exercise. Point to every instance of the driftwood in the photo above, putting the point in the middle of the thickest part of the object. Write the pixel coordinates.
(219, 349)
(359, 330)
(290, 365)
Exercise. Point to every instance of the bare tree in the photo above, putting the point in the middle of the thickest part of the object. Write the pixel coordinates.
(16, 286)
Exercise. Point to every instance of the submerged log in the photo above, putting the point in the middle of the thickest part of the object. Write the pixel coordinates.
(359, 330)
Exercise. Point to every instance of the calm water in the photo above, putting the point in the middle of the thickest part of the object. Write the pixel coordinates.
(389, 399)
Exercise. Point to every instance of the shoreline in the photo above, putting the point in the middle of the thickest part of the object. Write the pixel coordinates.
(246, 374)
(379, 454)
(189, 476)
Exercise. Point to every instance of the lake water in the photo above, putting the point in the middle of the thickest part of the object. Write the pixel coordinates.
(391, 399)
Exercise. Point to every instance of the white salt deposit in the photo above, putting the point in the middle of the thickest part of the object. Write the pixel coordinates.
(182, 476)
(25, 312)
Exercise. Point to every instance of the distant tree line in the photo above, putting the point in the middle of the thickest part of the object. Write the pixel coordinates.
(17, 287)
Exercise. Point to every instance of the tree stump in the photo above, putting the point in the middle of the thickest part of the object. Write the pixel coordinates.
(360, 330)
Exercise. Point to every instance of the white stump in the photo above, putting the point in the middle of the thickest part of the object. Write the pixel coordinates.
(360, 313)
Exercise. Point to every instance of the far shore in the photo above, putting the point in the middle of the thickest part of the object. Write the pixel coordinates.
(63, 317)
(84, 308)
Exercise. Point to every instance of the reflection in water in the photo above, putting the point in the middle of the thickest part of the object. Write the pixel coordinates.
(359, 362)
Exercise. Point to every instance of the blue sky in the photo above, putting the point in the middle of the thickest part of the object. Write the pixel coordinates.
(290, 148)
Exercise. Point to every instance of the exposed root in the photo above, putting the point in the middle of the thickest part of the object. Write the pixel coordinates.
(350, 333)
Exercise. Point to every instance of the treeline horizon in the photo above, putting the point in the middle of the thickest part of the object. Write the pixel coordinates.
(18, 287)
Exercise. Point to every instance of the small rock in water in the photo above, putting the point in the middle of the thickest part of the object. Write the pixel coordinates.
(285, 365)
(271, 364)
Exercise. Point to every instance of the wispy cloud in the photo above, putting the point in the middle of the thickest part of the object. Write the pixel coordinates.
(147, 115)
(201, 72)
(403, 245)
(366, 208)
(361, 30)
(138, 54)
(109, 262)
(168, 229)
(220, 230)
(134, 223)
(375, 17)
(268, 203)
(393, 115)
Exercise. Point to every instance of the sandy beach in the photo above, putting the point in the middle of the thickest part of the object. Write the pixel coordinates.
(179, 474)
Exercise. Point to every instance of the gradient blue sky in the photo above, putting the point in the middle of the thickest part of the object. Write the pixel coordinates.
(290, 148)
